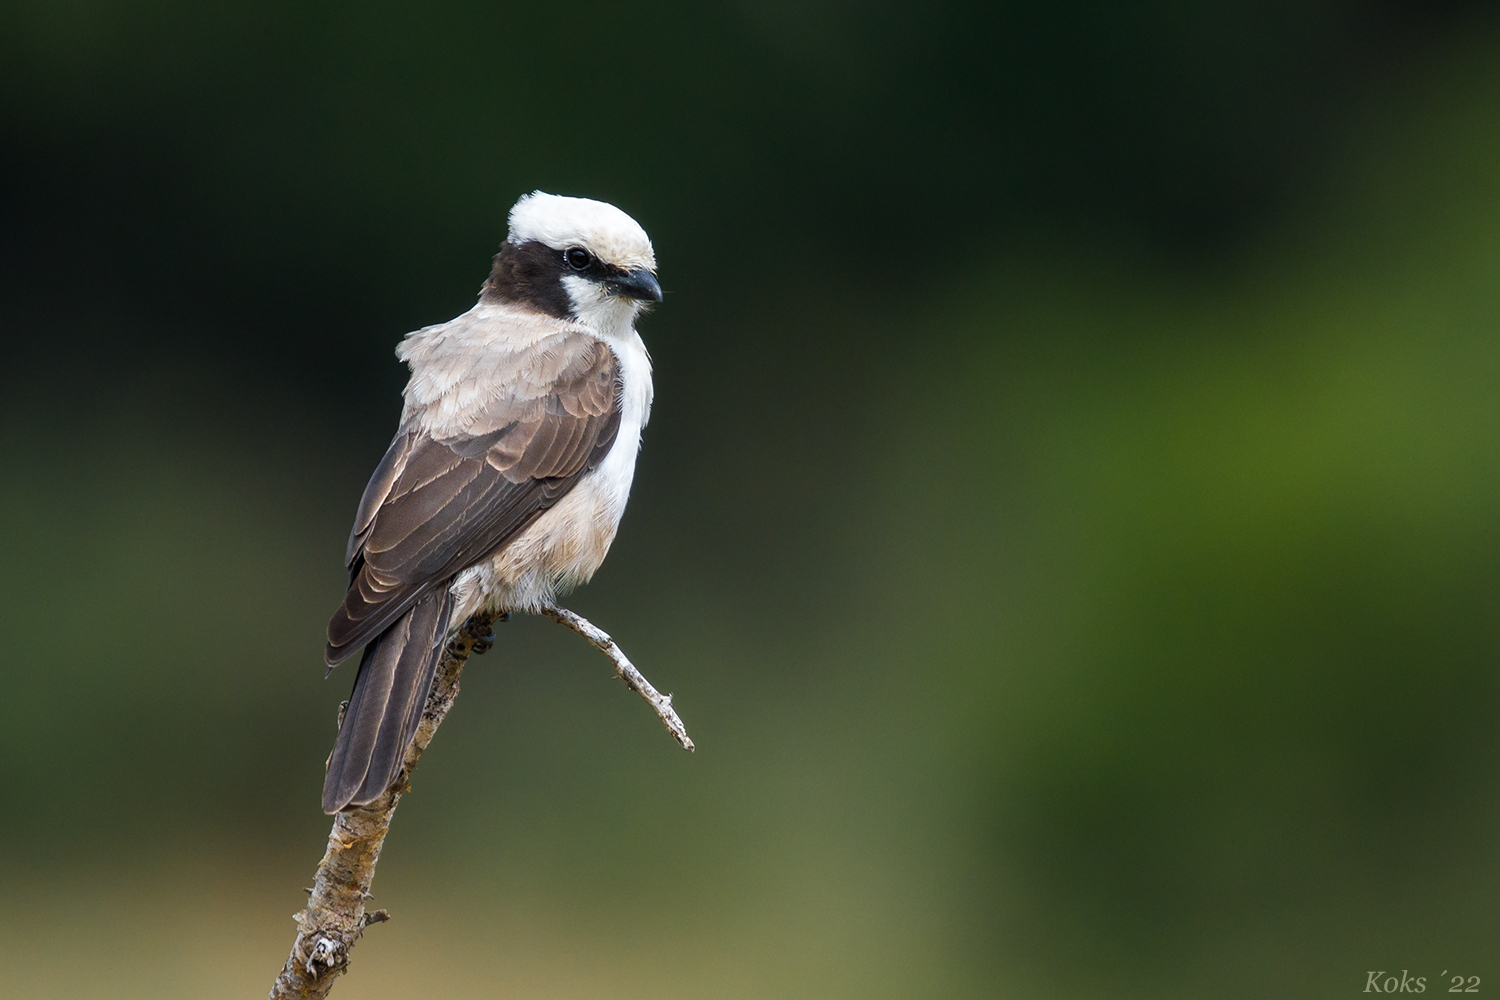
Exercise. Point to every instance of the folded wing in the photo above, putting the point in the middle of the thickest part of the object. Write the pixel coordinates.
(437, 505)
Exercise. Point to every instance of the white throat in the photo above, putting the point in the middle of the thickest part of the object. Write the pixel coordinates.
(610, 316)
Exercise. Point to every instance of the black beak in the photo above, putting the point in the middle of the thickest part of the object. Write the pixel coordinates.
(638, 284)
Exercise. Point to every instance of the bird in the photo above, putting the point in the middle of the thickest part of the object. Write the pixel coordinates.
(509, 472)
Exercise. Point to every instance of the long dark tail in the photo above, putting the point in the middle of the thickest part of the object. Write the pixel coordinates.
(390, 691)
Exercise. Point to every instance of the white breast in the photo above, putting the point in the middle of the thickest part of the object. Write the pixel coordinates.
(566, 545)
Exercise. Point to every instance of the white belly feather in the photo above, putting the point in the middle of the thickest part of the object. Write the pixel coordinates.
(566, 545)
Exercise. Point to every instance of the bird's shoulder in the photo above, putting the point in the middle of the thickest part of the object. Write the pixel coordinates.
(500, 363)
(495, 398)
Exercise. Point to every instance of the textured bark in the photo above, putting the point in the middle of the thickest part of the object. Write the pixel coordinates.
(335, 916)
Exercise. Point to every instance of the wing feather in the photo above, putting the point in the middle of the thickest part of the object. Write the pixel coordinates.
(436, 506)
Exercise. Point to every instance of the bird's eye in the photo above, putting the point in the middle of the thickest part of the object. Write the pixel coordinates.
(578, 259)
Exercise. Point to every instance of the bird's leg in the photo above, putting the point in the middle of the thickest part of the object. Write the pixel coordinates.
(487, 641)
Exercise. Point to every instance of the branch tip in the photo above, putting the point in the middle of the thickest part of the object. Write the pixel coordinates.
(625, 670)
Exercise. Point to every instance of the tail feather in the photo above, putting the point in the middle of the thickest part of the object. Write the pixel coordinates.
(390, 691)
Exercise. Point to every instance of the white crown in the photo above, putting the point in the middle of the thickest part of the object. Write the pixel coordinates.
(600, 228)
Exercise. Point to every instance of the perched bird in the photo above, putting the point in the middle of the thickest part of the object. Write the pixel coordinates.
(509, 473)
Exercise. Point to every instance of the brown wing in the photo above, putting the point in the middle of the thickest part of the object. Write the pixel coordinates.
(435, 507)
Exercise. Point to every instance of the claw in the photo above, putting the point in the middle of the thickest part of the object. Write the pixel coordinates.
(486, 642)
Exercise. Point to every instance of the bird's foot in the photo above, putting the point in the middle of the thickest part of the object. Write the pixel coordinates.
(486, 642)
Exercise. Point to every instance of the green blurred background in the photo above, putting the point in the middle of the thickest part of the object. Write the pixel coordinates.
(1068, 522)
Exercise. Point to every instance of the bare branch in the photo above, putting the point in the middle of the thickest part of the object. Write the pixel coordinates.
(335, 916)
(625, 669)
